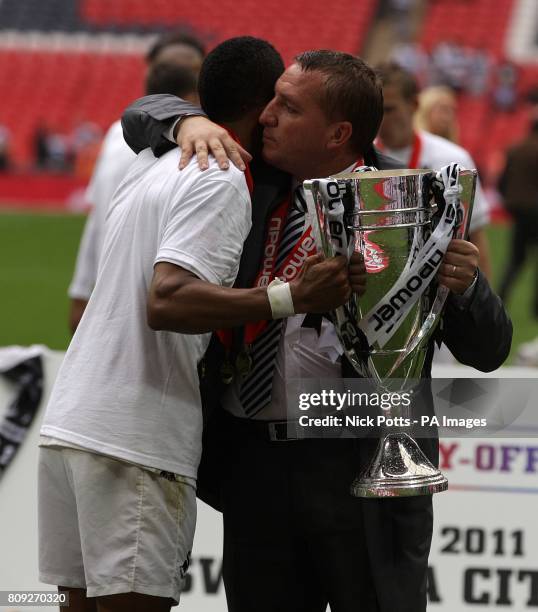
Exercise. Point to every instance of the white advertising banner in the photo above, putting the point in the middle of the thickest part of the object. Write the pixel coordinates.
(485, 548)
(484, 553)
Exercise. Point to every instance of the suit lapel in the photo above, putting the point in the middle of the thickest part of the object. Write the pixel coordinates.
(270, 187)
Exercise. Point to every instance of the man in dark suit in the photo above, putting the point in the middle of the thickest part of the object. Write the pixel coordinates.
(294, 538)
(518, 185)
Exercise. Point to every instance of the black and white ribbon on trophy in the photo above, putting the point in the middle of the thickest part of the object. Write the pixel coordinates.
(22, 367)
(381, 322)
(343, 243)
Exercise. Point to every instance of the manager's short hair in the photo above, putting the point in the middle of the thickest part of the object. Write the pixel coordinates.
(238, 76)
(352, 93)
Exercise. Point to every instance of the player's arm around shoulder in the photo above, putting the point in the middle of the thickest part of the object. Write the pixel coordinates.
(199, 257)
(208, 220)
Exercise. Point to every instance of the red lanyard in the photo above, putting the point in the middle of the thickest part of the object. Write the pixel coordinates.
(416, 151)
(288, 270)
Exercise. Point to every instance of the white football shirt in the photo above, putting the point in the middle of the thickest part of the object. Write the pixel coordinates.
(123, 389)
(437, 152)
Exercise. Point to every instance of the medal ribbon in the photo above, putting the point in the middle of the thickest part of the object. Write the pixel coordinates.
(288, 270)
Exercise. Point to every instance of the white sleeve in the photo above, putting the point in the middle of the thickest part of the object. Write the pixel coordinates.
(480, 216)
(169, 134)
(112, 164)
(206, 229)
(85, 275)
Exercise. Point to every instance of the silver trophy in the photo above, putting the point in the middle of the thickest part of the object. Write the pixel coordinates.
(401, 221)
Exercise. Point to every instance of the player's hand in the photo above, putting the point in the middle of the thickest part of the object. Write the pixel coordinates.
(322, 285)
(457, 271)
(199, 136)
(357, 273)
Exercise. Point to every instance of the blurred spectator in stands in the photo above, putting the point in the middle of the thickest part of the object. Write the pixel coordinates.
(518, 185)
(41, 150)
(85, 142)
(479, 64)
(59, 157)
(412, 57)
(401, 17)
(449, 65)
(84, 134)
(505, 88)
(420, 149)
(174, 63)
(5, 136)
(437, 112)
(52, 150)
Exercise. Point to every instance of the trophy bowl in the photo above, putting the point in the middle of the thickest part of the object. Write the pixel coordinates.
(402, 222)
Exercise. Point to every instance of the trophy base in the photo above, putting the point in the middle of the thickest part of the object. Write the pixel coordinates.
(399, 469)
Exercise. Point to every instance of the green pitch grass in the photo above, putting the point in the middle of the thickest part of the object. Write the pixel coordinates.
(37, 254)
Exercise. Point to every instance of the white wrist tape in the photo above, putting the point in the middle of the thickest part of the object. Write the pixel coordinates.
(280, 299)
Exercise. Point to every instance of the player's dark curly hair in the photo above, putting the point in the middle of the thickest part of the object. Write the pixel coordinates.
(238, 76)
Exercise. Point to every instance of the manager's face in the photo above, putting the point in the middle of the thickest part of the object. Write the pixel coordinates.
(296, 130)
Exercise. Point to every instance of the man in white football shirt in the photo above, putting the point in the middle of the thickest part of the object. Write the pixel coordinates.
(121, 437)
(174, 62)
(419, 149)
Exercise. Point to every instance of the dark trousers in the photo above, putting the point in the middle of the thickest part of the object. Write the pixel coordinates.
(524, 239)
(295, 539)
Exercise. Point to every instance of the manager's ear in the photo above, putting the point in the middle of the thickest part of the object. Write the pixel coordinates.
(339, 134)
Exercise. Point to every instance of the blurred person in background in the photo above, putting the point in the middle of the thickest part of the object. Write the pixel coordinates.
(419, 149)
(40, 145)
(174, 63)
(449, 65)
(52, 151)
(518, 185)
(480, 64)
(5, 137)
(178, 48)
(85, 143)
(412, 57)
(437, 112)
(505, 88)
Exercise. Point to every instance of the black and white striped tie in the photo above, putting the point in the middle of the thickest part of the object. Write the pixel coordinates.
(256, 389)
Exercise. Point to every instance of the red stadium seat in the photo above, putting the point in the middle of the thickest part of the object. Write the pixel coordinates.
(63, 89)
(280, 21)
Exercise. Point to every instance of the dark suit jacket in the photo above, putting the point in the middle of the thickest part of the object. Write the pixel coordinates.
(479, 336)
(518, 182)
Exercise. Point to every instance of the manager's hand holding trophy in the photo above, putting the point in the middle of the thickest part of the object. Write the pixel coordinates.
(409, 226)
